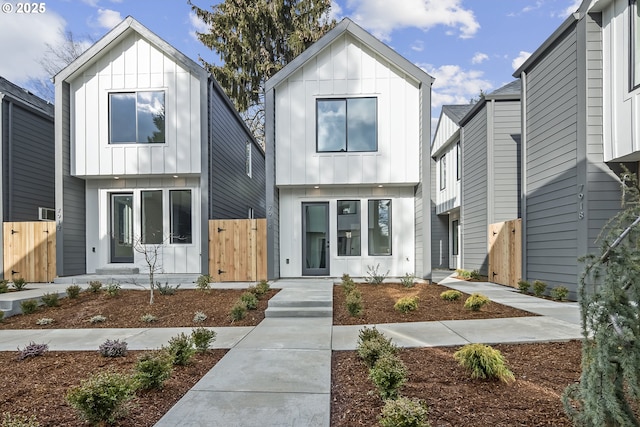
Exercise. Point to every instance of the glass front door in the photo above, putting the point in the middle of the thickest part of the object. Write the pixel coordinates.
(122, 228)
(315, 239)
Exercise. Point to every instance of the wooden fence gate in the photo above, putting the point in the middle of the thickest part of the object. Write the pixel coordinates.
(505, 252)
(238, 250)
(30, 251)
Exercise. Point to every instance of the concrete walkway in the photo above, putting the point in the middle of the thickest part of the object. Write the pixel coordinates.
(279, 372)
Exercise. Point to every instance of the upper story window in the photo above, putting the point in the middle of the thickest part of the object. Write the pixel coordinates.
(443, 172)
(635, 44)
(247, 158)
(136, 117)
(458, 161)
(347, 124)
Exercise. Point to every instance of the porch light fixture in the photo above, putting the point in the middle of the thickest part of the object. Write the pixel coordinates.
(116, 177)
(316, 186)
(175, 176)
(380, 185)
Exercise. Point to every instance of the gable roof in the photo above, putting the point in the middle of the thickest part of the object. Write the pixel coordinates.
(456, 112)
(350, 27)
(124, 28)
(508, 92)
(20, 94)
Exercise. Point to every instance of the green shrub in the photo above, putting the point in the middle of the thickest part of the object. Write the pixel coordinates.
(1, 315)
(181, 349)
(29, 306)
(167, 289)
(95, 286)
(388, 375)
(73, 291)
(463, 274)
(559, 293)
(476, 301)
(202, 338)
(113, 348)
(404, 412)
(250, 300)
(354, 303)
(153, 369)
(374, 276)
(4, 286)
(374, 348)
(366, 334)
(484, 362)
(262, 288)
(199, 317)
(451, 295)
(113, 289)
(50, 299)
(348, 285)
(524, 286)
(98, 318)
(238, 311)
(19, 283)
(475, 275)
(103, 397)
(148, 318)
(407, 280)
(32, 350)
(406, 304)
(539, 287)
(9, 420)
(203, 283)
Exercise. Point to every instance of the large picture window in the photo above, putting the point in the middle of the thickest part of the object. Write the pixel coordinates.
(348, 228)
(136, 117)
(151, 217)
(380, 227)
(347, 124)
(180, 202)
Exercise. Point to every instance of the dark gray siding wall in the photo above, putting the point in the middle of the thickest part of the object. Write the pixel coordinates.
(474, 194)
(272, 192)
(28, 162)
(506, 161)
(231, 191)
(551, 144)
(70, 197)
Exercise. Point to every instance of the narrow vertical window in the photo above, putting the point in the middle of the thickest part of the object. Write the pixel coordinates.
(458, 162)
(455, 237)
(247, 158)
(151, 217)
(348, 227)
(379, 227)
(443, 172)
(635, 44)
(180, 202)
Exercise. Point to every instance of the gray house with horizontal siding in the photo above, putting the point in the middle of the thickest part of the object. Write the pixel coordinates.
(148, 150)
(568, 190)
(27, 166)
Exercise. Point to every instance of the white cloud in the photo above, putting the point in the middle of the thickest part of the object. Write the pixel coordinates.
(453, 85)
(519, 60)
(92, 3)
(575, 4)
(382, 17)
(25, 42)
(479, 58)
(418, 46)
(197, 26)
(336, 11)
(108, 18)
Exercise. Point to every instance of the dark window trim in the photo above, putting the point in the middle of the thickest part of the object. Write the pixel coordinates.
(633, 12)
(359, 216)
(346, 125)
(390, 228)
(443, 172)
(135, 92)
(458, 161)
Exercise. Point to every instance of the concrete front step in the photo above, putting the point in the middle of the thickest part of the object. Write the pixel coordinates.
(298, 312)
(274, 302)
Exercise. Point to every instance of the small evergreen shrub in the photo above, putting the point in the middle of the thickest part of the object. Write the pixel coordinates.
(95, 286)
(404, 412)
(29, 306)
(374, 276)
(73, 291)
(238, 311)
(407, 280)
(559, 293)
(524, 286)
(539, 287)
(19, 283)
(4, 286)
(348, 285)
(44, 321)
(181, 349)
(103, 397)
(167, 289)
(373, 349)
(199, 317)
(475, 302)
(113, 348)
(113, 289)
(484, 362)
(50, 299)
(250, 300)
(388, 375)
(32, 350)
(451, 295)
(153, 369)
(354, 303)
(203, 283)
(148, 318)
(475, 275)
(98, 318)
(463, 274)
(366, 334)
(262, 288)
(202, 338)
(9, 420)
(406, 304)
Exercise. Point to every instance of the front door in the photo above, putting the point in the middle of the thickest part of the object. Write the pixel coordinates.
(122, 228)
(315, 239)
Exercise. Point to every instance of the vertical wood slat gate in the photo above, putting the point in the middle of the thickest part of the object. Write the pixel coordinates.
(30, 251)
(505, 252)
(238, 250)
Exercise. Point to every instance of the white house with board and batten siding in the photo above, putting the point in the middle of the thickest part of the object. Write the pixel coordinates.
(348, 184)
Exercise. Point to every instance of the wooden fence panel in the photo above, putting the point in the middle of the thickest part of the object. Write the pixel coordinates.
(30, 251)
(238, 250)
(505, 252)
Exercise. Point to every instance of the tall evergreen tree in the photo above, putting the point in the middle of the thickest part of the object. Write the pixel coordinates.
(255, 39)
(609, 292)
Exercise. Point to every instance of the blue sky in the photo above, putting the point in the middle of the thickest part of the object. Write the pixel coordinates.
(467, 45)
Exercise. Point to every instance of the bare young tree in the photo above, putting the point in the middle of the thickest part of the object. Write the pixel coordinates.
(152, 256)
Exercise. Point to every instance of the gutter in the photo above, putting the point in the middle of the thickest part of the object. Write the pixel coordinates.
(523, 173)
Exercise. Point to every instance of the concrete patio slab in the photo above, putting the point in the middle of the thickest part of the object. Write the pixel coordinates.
(278, 333)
